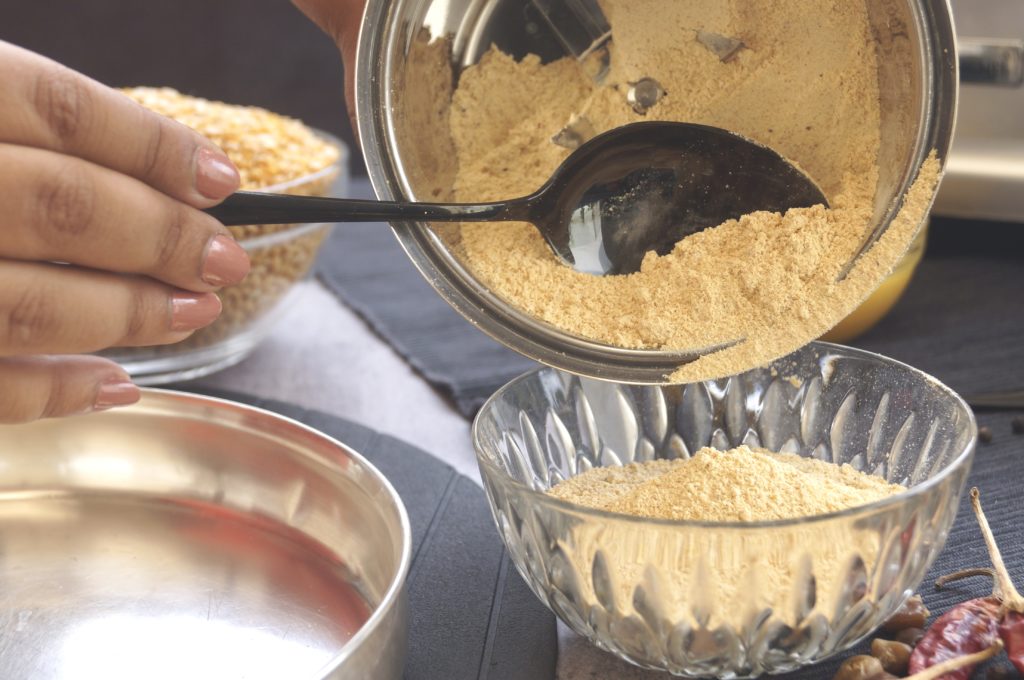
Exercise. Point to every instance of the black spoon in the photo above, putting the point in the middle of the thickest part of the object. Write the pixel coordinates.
(634, 189)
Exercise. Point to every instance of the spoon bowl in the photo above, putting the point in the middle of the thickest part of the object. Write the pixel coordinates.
(634, 189)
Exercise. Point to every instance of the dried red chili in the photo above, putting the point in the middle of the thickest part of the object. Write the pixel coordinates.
(968, 627)
(951, 668)
(1011, 630)
(977, 623)
(1011, 627)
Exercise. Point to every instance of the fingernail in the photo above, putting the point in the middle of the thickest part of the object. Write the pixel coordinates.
(226, 262)
(116, 392)
(216, 175)
(190, 312)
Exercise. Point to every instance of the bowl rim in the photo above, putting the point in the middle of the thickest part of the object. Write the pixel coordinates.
(488, 468)
(391, 597)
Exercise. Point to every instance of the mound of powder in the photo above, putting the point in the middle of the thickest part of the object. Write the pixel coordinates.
(738, 485)
(734, 576)
(805, 84)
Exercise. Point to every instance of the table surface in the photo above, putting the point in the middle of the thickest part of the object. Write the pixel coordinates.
(322, 356)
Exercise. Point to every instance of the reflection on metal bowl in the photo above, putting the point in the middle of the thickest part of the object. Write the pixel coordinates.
(189, 537)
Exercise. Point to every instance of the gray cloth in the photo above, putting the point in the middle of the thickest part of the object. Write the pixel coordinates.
(471, 616)
(962, 318)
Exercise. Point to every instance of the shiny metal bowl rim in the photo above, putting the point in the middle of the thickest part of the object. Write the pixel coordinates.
(529, 335)
(490, 469)
(397, 586)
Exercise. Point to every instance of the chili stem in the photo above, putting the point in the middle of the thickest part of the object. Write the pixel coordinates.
(950, 665)
(1008, 593)
(966, 573)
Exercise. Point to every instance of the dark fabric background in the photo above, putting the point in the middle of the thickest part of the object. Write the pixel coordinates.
(256, 52)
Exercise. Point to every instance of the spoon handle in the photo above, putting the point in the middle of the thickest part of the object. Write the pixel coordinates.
(246, 207)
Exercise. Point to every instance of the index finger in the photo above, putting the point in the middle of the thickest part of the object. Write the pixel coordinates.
(48, 106)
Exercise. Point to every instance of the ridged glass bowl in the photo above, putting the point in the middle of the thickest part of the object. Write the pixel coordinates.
(730, 600)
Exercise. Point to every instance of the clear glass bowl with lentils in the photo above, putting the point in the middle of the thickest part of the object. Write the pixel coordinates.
(273, 153)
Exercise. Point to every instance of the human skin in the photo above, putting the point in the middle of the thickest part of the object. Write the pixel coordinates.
(340, 19)
(104, 242)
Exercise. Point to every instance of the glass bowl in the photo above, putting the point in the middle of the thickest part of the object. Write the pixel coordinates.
(730, 600)
(281, 256)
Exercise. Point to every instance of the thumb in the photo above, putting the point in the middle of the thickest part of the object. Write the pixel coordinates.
(50, 386)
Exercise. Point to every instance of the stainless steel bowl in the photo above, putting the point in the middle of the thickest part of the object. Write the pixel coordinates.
(403, 88)
(189, 537)
(727, 599)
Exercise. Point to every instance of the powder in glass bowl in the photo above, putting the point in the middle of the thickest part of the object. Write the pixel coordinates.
(738, 485)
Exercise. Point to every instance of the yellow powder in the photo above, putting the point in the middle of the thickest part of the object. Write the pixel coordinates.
(739, 485)
(806, 85)
(739, 576)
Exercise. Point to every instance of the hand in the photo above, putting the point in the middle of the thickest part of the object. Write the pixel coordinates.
(340, 19)
(111, 192)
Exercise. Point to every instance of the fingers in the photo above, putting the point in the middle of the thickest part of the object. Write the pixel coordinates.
(340, 19)
(57, 208)
(48, 106)
(59, 309)
(52, 386)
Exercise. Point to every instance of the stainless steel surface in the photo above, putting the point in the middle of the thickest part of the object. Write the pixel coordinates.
(916, 46)
(727, 599)
(644, 93)
(985, 174)
(188, 537)
(579, 25)
(991, 62)
(722, 46)
(404, 83)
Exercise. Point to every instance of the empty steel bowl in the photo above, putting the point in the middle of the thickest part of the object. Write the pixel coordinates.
(189, 537)
(730, 600)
